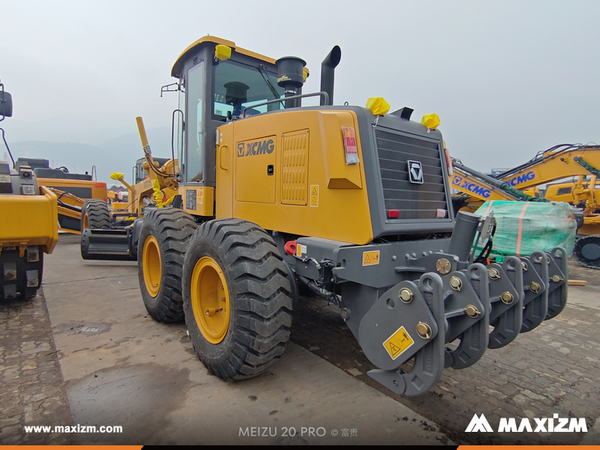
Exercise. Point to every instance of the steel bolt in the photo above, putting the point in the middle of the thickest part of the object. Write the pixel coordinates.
(443, 266)
(472, 311)
(534, 287)
(424, 330)
(507, 298)
(456, 283)
(493, 273)
(405, 295)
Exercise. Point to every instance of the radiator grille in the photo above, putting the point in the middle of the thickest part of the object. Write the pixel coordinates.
(414, 201)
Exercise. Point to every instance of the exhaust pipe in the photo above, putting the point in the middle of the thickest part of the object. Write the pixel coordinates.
(327, 73)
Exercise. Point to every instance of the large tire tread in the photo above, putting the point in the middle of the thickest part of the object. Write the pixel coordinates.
(172, 228)
(98, 215)
(260, 296)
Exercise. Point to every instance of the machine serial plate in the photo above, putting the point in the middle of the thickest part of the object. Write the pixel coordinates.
(190, 199)
(398, 343)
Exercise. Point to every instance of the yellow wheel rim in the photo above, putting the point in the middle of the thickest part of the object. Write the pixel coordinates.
(152, 266)
(210, 300)
(85, 225)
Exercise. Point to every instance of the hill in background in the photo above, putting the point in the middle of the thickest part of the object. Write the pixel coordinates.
(115, 155)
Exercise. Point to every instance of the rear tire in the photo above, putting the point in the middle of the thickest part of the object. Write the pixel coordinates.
(21, 276)
(587, 251)
(161, 249)
(95, 215)
(237, 298)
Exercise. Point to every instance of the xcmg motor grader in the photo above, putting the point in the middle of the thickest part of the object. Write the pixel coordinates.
(350, 204)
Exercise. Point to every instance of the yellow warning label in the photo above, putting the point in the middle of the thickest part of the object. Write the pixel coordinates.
(370, 258)
(398, 343)
(314, 195)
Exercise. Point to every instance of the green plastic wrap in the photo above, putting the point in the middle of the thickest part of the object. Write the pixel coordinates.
(527, 227)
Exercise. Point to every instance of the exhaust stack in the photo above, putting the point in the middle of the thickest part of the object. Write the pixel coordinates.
(327, 72)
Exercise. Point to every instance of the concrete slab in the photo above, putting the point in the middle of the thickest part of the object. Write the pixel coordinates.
(123, 369)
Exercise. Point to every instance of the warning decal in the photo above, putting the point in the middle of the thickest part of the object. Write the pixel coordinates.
(398, 343)
(370, 258)
(314, 195)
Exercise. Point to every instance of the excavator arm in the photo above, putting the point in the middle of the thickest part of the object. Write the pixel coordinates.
(558, 162)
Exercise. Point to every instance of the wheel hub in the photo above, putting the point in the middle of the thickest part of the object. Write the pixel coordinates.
(210, 299)
(152, 266)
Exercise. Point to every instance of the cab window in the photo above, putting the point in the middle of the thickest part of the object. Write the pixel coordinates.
(194, 166)
(238, 86)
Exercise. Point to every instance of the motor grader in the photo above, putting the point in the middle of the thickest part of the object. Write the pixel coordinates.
(352, 204)
(72, 190)
(106, 231)
(29, 223)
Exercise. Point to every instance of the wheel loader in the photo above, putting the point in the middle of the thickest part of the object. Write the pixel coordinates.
(349, 203)
(29, 223)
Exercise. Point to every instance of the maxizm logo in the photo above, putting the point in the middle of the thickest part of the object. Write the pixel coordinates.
(554, 424)
(264, 147)
(518, 180)
(461, 183)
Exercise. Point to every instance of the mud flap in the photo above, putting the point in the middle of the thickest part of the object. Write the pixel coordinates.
(558, 271)
(378, 342)
(506, 298)
(535, 284)
(467, 309)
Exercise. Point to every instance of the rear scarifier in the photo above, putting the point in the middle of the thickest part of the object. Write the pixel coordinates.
(95, 215)
(171, 229)
(260, 298)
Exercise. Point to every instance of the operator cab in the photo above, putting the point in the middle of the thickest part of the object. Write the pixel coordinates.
(218, 82)
(140, 174)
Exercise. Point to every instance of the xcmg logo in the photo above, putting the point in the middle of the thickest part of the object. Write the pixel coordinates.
(518, 180)
(461, 183)
(552, 424)
(260, 147)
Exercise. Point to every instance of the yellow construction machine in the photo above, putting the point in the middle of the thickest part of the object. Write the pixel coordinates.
(351, 203)
(29, 223)
(106, 231)
(557, 163)
(71, 190)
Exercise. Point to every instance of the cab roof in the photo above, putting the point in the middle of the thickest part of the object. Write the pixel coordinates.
(178, 66)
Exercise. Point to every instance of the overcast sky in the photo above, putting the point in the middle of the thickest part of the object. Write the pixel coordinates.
(507, 78)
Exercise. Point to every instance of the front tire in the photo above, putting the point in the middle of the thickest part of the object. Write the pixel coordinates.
(95, 215)
(237, 298)
(161, 248)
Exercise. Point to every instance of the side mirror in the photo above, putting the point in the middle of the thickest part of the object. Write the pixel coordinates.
(5, 103)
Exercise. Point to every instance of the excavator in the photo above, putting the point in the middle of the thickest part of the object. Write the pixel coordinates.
(350, 203)
(477, 188)
(559, 162)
